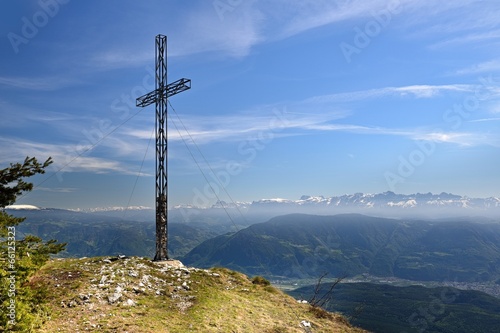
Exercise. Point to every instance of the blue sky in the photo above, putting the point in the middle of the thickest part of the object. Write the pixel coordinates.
(288, 98)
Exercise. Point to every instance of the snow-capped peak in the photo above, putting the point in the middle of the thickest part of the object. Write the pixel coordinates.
(22, 207)
(112, 209)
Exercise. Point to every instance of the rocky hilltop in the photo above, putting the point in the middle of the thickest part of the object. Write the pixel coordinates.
(121, 294)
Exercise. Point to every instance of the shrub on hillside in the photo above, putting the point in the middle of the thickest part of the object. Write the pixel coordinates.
(260, 281)
(20, 258)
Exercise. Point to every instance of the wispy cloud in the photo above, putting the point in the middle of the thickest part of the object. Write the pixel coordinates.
(206, 30)
(67, 157)
(236, 30)
(319, 113)
(37, 83)
(242, 25)
(416, 91)
(57, 189)
(240, 127)
(445, 18)
(300, 16)
(461, 139)
(471, 38)
(120, 58)
(279, 19)
(491, 66)
(204, 129)
(62, 122)
(484, 120)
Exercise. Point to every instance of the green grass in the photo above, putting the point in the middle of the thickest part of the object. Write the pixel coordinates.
(218, 300)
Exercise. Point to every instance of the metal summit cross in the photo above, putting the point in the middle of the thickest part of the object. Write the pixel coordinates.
(159, 96)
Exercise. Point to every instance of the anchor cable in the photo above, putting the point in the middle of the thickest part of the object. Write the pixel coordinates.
(217, 196)
(80, 154)
(138, 174)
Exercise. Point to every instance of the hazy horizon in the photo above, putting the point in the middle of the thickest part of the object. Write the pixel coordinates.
(387, 204)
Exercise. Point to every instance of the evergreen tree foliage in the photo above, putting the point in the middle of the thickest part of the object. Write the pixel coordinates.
(21, 307)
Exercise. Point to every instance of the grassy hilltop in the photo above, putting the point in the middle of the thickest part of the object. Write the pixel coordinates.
(137, 295)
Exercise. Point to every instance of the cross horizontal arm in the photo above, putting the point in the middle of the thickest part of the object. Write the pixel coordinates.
(170, 90)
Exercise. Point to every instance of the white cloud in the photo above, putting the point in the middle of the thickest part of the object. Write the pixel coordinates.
(239, 127)
(205, 30)
(427, 91)
(475, 37)
(306, 15)
(234, 30)
(484, 120)
(319, 113)
(38, 83)
(281, 19)
(441, 18)
(120, 58)
(57, 189)
(461, 139)
(483, 67)
(417, 91)
(67, 157)
(248, 125)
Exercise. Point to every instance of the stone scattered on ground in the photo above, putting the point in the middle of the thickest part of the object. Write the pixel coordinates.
(121, 280)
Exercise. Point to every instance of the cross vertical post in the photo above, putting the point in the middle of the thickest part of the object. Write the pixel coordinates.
(159, 96)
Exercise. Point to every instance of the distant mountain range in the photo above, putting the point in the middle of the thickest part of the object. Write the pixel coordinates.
(388, 204)
(425, 239)
(93, 234)
(306, 246)
(390, 199)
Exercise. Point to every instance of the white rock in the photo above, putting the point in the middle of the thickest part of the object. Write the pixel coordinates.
(116, 296)
(129, 302)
